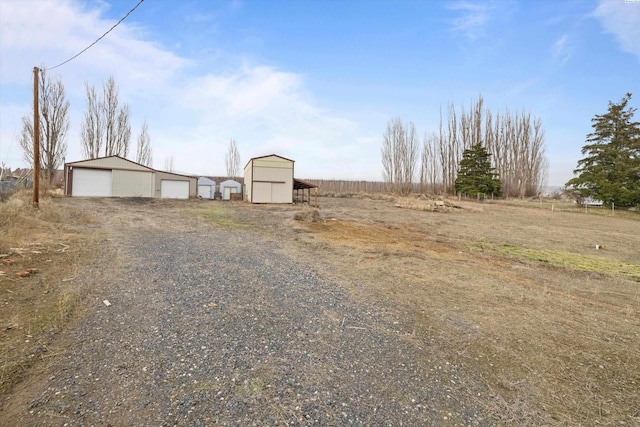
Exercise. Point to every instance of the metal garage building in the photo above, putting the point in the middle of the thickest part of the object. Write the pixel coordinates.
(229, 187)
(206, 188)
(115, 176)
(269, 179)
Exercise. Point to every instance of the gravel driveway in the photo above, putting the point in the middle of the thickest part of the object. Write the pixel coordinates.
(214, 326)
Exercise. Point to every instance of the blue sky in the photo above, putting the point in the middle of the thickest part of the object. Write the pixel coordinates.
(317, 81)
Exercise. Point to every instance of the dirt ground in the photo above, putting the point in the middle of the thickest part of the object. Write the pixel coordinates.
(518, 294)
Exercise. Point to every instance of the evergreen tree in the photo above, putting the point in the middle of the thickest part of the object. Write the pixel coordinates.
(475, 175)
(610, 172)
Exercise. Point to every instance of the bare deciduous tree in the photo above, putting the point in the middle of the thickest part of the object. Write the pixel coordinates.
(123, 133)
(232, 159)
(399, 156)
(430, 177)
(168, 164)
(54, 125)
(144, 154)
(515, 142)
(92, 129)
(106, 124)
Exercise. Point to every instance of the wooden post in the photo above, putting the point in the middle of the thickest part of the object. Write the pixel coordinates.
(36, 140)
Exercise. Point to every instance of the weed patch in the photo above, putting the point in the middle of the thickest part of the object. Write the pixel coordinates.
(574, 261)
(220, 217)
(36, 306)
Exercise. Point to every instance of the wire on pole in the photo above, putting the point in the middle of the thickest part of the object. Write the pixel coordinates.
(99, 38)
(36, 140)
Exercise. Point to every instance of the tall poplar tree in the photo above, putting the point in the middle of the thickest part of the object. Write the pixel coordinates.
(54, 126)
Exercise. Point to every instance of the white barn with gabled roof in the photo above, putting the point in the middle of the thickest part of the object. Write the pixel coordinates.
(269, 179)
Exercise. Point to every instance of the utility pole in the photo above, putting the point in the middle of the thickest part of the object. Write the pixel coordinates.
(36, 140)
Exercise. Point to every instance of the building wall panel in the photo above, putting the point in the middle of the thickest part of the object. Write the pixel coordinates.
(193, 182)
(273, 174)
(127, 183)
(261, 192)
(273, 162)
(281, 193)
(248, 182)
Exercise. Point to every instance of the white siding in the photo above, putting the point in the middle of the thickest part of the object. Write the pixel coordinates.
(205, 191)
(91, 183)
(261, 192)
(229, 186)
(128, 183)
(248, 182)
(281, 193)
(170, 189)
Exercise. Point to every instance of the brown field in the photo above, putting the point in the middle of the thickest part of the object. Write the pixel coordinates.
(510, 290)
(515, 294)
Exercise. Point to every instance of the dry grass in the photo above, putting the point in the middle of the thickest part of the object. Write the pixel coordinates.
(554, 333)
(516, 295)
(214, 213)
(38, 305)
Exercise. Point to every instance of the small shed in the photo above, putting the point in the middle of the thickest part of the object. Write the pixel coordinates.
(206, 188)
(115, 176)
(229, 187)
(269, 179)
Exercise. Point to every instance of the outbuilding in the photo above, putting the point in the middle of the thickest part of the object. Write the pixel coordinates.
(115, 176)
(206, 188)
(269, 179)
(229, 187)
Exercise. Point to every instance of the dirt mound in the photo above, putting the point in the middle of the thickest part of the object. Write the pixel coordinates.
(311, 215)
(434, 204)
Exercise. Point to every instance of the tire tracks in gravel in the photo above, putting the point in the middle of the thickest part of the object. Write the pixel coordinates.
(220, 327)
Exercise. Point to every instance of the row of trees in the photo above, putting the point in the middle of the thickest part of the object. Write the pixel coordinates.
(105, 131)
(514, 141)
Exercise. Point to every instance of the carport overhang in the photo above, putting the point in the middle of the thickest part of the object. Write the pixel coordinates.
(300, 185)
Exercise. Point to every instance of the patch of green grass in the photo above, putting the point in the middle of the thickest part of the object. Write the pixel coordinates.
(219, 217)
(249, 388)
(574, 261)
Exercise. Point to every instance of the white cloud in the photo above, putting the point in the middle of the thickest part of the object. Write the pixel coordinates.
(622, 19)
(191, 114)
(474, 17)
(561, 50)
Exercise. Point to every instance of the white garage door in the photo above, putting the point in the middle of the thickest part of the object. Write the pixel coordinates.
(271, 192)
(228, 191)
(205, 191)
(170, 189)
(91, 183)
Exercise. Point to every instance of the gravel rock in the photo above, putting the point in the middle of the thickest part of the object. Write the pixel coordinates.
(220, 327)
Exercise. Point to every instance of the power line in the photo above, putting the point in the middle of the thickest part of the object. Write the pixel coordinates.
(99, 38)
